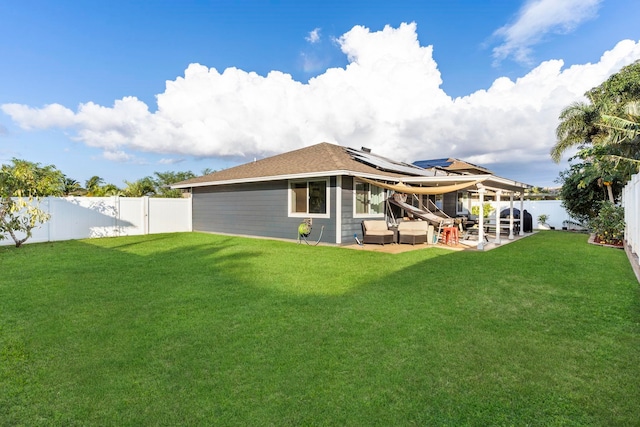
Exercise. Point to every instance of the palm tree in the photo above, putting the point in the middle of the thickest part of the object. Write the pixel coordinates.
(623, 129)
(578, 126)
(71, 187)
(623, 138)
(600, 121)
(109, 190)
(139, 188)
(93, 185)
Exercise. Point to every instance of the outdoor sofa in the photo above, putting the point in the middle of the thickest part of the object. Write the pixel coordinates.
(413, 232)
(376, 231)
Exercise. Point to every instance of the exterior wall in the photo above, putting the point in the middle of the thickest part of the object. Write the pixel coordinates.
(351, 225)
(256, 209)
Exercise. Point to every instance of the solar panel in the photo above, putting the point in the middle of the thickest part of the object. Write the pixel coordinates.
(426, 164)
(386, 164)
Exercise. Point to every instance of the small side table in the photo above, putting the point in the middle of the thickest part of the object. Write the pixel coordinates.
(395, 233)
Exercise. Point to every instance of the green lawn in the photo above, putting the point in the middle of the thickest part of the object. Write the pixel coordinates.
(198, 329)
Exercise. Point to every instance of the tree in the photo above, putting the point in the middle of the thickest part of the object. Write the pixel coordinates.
(93, 184)
(96, 187)
(609, 120)
(142, 187)
(623, 128)
(71, 187)
(165, 179)
(21, 185)
(583, 189)
(578, 127)
(605, 129)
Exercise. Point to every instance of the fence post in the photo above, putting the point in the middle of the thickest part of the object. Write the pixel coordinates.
(145, 212)
(49, 223)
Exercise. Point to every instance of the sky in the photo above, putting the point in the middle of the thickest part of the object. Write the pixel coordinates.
(122, 88)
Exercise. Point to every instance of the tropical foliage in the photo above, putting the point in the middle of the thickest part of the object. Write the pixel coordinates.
(487, 208)
(608, 225)
(582, 191)
(606, 132)
(22, 183)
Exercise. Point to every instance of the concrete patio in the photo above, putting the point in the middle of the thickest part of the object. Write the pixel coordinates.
(463, 245)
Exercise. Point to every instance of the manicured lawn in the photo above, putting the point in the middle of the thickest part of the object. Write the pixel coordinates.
(197, 329)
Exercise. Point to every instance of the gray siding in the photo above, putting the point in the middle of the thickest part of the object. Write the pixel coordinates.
(350, 225)
(256, 209)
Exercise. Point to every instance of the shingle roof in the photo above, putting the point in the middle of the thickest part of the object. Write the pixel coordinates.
(453, 165)
(319, 158)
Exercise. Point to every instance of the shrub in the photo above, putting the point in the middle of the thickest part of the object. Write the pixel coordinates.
(608, 225)
(487, 209)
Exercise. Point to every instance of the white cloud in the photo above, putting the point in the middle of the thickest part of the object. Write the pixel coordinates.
(116, 156)
(387, 98)
(536, 19)
(314, 36)
(170, 161)
(53, 115)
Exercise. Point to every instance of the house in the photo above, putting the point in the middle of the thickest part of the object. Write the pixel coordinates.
(335, 187)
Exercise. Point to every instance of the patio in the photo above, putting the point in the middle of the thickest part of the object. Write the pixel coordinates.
(463, 245)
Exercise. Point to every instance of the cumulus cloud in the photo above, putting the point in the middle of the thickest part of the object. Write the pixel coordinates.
(387, 98)
(53, 115)
(536, 19)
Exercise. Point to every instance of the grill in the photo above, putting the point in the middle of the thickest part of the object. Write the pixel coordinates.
(527, 223)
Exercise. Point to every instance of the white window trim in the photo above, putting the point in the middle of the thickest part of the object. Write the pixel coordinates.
(468, 207)
(367, 215)
(307, 214)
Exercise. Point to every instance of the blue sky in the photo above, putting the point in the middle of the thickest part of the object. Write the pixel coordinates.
(112, 88)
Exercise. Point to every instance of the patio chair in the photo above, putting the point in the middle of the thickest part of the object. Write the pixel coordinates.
(377, 232)
(413, 232)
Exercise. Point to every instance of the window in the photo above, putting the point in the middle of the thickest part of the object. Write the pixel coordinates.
(308, 197)
(368, 199)
(463, 203)
(439, 201)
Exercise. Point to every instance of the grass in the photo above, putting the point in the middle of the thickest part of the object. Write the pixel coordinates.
(213, 330)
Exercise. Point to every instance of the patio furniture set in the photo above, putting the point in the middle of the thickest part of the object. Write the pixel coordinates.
(407, 232)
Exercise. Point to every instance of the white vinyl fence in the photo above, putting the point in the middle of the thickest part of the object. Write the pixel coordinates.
(87, 217)
(631, 202)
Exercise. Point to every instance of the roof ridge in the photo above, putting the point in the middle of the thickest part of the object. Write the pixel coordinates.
(331, 150)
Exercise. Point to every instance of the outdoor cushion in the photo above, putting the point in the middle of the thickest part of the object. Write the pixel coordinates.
(376, 231)
(375, 225)
(413, 232)
(413, 227)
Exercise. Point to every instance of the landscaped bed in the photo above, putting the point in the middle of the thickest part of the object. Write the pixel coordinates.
(193, 328)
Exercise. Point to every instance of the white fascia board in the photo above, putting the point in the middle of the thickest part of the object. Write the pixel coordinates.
(289, 177)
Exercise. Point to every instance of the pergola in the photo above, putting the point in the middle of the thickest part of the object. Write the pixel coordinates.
(480, 184)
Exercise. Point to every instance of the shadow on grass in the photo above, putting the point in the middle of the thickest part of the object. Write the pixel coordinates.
(202, 328)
